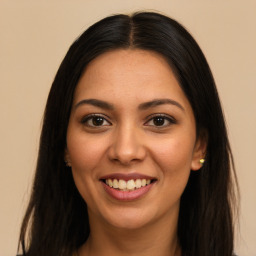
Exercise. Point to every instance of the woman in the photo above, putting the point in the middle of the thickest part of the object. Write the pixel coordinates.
(134, 157)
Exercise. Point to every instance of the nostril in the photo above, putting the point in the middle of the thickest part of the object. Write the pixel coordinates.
(126, 149)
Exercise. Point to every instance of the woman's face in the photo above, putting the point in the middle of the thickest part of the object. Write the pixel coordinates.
(131, 124)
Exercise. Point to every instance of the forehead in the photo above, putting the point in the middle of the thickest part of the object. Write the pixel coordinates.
(125, 74)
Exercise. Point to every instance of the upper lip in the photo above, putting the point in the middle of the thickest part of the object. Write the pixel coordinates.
(127, 176)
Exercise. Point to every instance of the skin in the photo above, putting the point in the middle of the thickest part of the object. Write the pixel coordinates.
(127, 141)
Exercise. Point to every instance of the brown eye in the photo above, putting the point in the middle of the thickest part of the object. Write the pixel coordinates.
(95, 121)
(160, 121)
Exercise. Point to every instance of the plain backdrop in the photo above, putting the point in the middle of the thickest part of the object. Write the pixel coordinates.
(34, 37)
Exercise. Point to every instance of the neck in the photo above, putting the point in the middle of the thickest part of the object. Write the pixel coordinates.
(159, 238)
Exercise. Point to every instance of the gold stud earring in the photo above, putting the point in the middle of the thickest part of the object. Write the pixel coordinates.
(202, 161)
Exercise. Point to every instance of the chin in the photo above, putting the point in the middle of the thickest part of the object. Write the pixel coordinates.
(129, 224)
(129, 219)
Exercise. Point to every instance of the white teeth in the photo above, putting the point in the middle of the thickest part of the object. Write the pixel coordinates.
(122, 184)
(109, 182)
(138, 183)
(129, 185)
(115, 183)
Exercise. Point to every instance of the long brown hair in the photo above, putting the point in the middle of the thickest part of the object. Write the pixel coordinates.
(56, 220)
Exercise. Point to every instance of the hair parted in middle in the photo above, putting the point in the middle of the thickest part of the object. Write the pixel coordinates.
(57, 212)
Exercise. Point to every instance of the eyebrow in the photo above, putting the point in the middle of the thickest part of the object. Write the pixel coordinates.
(143, 106)
(96, 103)
(158, 102)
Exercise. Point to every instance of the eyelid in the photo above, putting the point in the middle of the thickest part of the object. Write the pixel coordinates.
(90, 116)
(169, 118)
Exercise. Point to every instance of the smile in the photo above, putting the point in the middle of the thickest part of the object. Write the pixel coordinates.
(129, 185)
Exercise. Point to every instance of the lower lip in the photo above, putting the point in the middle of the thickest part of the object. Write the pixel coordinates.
(127, 195)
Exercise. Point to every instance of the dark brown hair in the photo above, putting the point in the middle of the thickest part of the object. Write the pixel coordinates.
(56, 220)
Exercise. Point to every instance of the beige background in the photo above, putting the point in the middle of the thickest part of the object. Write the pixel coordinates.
(35, 35)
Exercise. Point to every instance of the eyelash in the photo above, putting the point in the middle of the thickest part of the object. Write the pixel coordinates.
(151, 118)
(165, 118)
(88, 118)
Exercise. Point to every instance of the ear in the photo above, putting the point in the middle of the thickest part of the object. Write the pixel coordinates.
(199, 151)
(67, 158)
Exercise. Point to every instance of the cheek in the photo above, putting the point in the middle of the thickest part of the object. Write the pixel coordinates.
(174, 160)
(85, 153)
(174, 155)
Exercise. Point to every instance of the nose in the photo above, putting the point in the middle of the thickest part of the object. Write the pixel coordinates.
(127, 146)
